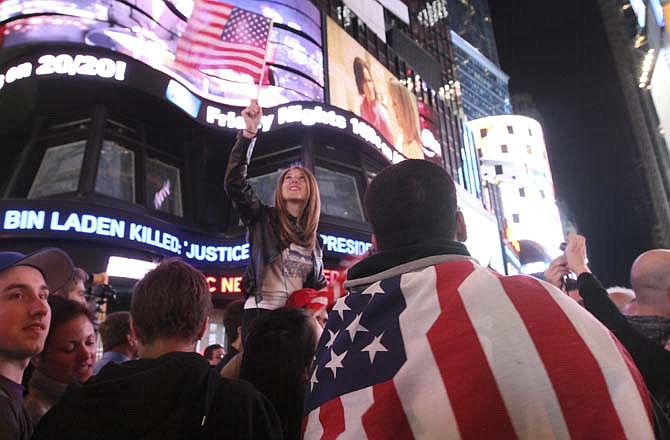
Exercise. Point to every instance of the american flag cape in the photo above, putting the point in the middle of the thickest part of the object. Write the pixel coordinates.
(221, 36)
(453, 350)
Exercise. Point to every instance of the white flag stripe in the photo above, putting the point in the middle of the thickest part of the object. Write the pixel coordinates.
(513, 359)
(214, 44)
(313, 430)
(355, 404)
(419, 382)
(625, 395)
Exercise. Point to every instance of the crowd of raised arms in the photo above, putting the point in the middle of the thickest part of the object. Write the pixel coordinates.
(424, 343)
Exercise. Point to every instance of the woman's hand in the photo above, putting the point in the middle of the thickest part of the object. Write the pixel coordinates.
(252, 119)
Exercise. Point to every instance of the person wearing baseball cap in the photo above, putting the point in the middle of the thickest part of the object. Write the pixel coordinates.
(25, 283)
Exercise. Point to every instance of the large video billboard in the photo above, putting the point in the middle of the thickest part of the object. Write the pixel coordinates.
(149, 31)
(361, 84)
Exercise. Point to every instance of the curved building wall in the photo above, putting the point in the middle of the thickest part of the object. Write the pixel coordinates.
(513, 155)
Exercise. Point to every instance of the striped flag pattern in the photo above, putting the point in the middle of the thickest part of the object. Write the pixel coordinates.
(457, 351)
(221, 36)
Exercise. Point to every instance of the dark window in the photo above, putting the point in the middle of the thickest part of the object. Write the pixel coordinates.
(59, 170)
(483, 132)
(163, 187)
(515, 218)
(503, 148)
(499, 170)
(265, 186)
(339, 194)
(529, 149)
(542, 194)
(510, 129)
(530, 132)
(522, 192)
(116, 172)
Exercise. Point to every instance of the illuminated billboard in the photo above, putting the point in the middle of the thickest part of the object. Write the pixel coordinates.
(361, 84)
(149, 31)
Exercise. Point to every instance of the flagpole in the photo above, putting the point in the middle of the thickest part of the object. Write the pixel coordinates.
(265, 59)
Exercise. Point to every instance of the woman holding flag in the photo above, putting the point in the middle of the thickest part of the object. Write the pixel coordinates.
(285, 254)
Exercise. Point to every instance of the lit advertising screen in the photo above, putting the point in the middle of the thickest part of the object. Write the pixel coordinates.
(361, 84)
(150, 30)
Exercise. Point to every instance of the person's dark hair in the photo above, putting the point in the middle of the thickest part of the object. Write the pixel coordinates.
(65, 310)
(114, 330)
(78, 274)
(277, 353)
(209, 351)
(171, 301)
(232, 319)
(360, 66)
(410, 202)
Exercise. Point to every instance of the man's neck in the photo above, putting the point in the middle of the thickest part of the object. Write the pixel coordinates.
(650, 310)
(159, 347)
(12, 368)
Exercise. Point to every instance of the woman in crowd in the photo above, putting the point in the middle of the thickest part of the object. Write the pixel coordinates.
(285, 253)
(277, 356)
(371, 109)
(68, 355)
(408, 142)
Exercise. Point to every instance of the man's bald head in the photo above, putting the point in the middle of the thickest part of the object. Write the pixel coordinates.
(650, 278)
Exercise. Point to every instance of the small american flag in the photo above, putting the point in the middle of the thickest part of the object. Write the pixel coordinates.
(221, 36)
(456, 351)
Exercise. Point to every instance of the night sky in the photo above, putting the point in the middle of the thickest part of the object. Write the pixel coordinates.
(558, 53)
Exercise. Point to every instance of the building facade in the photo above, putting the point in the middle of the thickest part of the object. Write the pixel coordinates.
(514, 158)
(636, 32)
(483, 85)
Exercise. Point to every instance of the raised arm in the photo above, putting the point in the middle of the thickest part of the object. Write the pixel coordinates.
(244, 198)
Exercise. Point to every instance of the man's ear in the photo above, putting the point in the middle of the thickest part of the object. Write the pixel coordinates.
(461, 228)
(205, 324)
(133, 331)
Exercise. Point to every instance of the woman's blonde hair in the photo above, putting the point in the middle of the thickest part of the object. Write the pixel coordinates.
(408, 119)
(305, 235)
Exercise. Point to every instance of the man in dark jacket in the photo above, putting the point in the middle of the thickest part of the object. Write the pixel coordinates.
(171, 392)
(25, 282)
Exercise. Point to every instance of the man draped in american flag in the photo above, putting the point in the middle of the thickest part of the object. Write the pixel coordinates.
(430, 345)
(221, 36)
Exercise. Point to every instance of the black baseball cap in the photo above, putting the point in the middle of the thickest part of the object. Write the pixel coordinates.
(54, 264)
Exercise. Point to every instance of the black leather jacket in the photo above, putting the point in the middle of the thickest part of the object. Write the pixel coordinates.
(260, 220)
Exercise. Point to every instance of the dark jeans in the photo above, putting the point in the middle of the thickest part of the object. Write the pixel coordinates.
(249, 317)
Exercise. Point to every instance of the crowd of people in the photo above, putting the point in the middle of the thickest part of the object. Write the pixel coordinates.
(426, 343)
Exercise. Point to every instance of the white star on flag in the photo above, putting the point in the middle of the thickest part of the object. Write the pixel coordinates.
(313, 380)
(375, 346)
(341, 306)
(356, 327)
(332, 338)
(372, 291)
(335, 362)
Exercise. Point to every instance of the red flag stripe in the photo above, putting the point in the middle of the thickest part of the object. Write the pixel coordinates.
(573, 371)
(214, 6)
(239, 55)
(457, 348)
(387, 407)
(331, 416)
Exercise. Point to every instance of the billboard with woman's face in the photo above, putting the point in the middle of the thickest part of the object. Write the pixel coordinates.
(361, 84)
